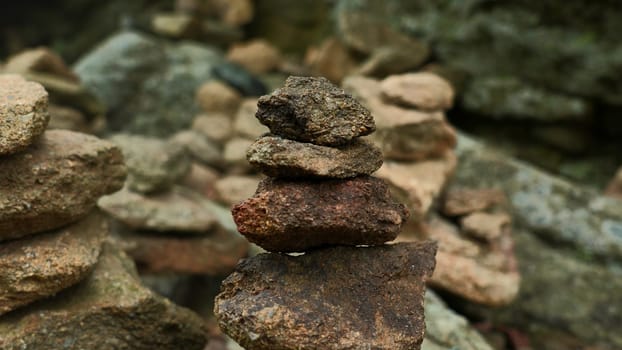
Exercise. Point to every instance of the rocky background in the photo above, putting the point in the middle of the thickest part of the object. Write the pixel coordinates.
(498, 123)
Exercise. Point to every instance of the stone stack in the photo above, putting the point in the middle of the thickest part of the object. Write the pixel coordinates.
(62, 285)
(320, 199)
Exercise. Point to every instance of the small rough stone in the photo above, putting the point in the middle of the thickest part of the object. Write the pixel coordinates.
(23, 113)
(56, 181)
(424, 91)
(278, 157)
(233, 189)
(257, 56)
(111, 309)
(42, 60)
(199, 146)
(216, 96)
(178, 209)
(286, 216)
(245, 122)
(462, 201)
(153, 164)
(487, 226)
(313, 110)
(215, 254)
(215, 126)
(42, 265)
(335, 299)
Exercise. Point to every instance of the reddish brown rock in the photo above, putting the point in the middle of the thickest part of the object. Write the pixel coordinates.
(424, 91)
(334, 298)
(216, 96)
(287, 216)
(215, 254)
(257, 56)
(23, 113)
(39, 266)
(42, 60)
(110, 309)
(313, 110)
(278, 157)
(56, 181)
(462, 201)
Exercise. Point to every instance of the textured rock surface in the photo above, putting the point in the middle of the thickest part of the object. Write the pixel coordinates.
(111, 309)
(56, 181)
(178, 209)
(216, 253)
(445, 329)
(424, 91)
(299, 215)
(333, 298)
(278, 157)
(402, 134)
(153, 165)
(314, 110)
(23, 113)
(39, 266)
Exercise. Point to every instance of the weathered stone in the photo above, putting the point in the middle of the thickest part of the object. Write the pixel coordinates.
(484, 273)
(234, 189)
(111, 309)
(257, 56)
(316, 111)
(445, 329)
(153, 165)
(23, 113)
(418, 184)
(40, 59)
(214, 254)
(402, 134)
(278, 157)
(487, 226)
(56, 181)
(216, 96)
(176, 25)
(178, 209)
(199, 146)
(245, 122)
(333, 298)
(424, 91)
(331, 60)
(215, 126)
(40, 266)
(462, 201)
(614, 189)
(300, 215)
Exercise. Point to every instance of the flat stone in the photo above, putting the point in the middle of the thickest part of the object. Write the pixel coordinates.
(153, 165)
(40, 59)
(424, 91)
(403, 134)
(461, 201)
(216, 96)
(178, 209)
(111, 309)
(418, 184)
(314, 110)
(23, 113)
(278, 157)
(39, 266)
(215, 126)
(215, 254)
(199, 146)
(299, 215)
(245, 123)
(258, 56)
(333, 298)
(233, 189)
(56, 181)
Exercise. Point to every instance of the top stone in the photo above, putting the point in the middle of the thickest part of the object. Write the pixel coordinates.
(23, 113)
(311, 109)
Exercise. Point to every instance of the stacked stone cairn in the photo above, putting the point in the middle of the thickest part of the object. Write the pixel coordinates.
(62, 284)
(345, 289)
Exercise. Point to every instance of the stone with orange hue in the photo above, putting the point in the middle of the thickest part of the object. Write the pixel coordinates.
(257, 56)
(286, 216)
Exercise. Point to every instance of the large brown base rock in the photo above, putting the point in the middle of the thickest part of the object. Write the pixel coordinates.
(333, 298)
(40, 266)
(109, 310)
